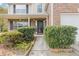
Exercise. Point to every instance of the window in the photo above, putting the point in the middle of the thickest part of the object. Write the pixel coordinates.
(39, 8)
(20, 24)
(21, 8)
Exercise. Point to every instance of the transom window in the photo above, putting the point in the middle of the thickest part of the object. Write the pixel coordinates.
(39, 8)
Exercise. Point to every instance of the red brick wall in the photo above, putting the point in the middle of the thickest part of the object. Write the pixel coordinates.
(59, 8)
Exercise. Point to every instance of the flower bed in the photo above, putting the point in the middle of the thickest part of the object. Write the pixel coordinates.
(18, 41)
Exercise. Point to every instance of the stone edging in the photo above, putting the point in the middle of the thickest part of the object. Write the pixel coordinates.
(28, 51)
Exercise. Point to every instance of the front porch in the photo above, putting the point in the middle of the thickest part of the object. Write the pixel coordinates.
(15, 21)
(37, 23)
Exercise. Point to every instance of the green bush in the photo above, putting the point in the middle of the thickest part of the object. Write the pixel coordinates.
(2, 39)
(23, 46)
(28, 32)
(12, 37)
(60, 36)
(5, 30)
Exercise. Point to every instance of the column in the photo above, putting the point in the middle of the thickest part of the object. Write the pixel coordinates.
(47, 21)
(51, 12)
(28, 21)
(44, 23)
(36, 25)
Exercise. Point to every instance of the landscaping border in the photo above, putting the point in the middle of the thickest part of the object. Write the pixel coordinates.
(61, 50)
(28, 51)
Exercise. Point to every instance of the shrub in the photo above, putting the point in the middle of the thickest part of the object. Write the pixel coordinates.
(3, 25)
(12, 37)
(5, 30)
(28, 32)
(2, 39)
(60, 36)
(23, 46)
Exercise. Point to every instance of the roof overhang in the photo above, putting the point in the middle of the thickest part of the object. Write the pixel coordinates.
(17, 16)
(19, 3)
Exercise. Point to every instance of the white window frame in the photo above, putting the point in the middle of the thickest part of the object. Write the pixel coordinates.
(18, 8)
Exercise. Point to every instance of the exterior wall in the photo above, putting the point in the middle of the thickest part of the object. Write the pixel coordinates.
(10, 9)
(50, 13)
(32, 8)
(59, 8)
(32, 16)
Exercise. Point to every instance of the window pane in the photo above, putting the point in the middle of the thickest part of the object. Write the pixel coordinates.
(21, 9)
(39, 8)
(20, 6)
(20, 24)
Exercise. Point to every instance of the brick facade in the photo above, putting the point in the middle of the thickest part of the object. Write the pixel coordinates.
(59, 8)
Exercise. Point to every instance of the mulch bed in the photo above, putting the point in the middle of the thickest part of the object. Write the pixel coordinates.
(4, 51)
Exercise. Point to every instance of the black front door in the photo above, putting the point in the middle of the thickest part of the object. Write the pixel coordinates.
(40, 26)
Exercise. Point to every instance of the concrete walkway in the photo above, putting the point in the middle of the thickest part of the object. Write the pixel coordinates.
(40, 48)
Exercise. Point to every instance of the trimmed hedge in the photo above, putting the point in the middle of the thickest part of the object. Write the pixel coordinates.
(28, 32)
(60, 36)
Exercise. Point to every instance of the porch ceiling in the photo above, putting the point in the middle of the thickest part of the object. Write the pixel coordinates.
(23, 16)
